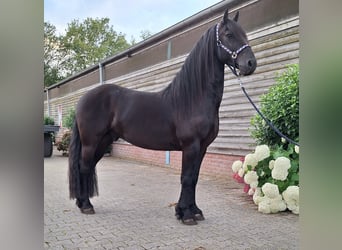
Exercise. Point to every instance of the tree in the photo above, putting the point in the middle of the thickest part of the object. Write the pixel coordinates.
(88, 42)
(144, 34)
(84, 44)
(52, 55)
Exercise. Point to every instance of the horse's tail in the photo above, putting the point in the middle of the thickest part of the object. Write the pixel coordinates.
(74, 169)
(74, 165)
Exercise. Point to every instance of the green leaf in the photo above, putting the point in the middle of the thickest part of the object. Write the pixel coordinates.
(295, 177)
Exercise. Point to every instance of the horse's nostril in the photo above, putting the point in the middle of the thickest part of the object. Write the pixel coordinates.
(250, 63)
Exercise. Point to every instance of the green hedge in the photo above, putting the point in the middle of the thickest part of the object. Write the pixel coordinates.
(68, 120)
(48, 120)
(281, 106)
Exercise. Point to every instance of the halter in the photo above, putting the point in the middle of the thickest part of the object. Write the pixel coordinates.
(233, 54)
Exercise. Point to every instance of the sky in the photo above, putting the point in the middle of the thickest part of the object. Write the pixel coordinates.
(129, 17)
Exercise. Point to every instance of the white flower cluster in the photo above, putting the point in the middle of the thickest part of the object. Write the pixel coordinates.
(237, 165)
(261, 152)
(241, 168)
(297, 149)
(291, 197)
(251, 178)
(280, 168)
(238, 169)
(250, 160)
(269, 200)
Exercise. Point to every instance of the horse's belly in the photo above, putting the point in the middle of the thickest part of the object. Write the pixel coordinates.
(152, 142)
(150, 136)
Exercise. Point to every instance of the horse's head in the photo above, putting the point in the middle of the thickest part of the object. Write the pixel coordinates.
(233, 48)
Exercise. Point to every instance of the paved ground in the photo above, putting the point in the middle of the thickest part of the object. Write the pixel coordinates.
(134, 211)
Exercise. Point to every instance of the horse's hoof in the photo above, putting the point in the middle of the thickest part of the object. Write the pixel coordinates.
(189, 222)
(78, 204)
(199, 217)
(88, 210)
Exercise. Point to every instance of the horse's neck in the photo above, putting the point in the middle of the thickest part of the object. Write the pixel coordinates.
(210, 94)
(200, 80)
(217, 85)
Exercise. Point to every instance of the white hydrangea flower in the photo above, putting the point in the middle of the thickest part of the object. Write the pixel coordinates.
(291, 198)
(283, 140)
(261, 152)
(268, 205)
(280, 169)
(251, 160)
(241, 172)
(296, 149)
(254, 184)
(236, 166)
(264, 205)
(277, 205)
(257, 196)
(250, 177)
(294, 208)
(270, 190)
(251, 191)
(271, 164)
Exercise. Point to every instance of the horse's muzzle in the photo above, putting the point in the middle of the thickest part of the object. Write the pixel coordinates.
(249, 67)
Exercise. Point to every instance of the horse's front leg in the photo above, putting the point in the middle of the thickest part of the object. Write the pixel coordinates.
(194, 208)
(186, 209)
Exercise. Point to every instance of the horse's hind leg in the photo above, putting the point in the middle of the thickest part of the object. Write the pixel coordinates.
(103, 145)
(88, 175)
(88, 180)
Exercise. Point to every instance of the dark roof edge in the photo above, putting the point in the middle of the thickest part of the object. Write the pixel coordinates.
(210, 11)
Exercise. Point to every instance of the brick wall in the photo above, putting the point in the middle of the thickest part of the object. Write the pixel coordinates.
(213, 163)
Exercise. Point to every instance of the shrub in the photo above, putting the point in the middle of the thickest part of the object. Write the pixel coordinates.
(68, 120)
(281, 106)
(63, 145)
(48, 120)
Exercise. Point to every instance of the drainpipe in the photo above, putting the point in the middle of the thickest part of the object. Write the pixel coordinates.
(101, 73)
(48, 101)
(168, 57)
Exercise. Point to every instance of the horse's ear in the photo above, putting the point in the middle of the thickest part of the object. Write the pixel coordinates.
(225, 17)
(236, 16)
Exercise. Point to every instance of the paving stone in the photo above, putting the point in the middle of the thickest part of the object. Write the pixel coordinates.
(133, 212)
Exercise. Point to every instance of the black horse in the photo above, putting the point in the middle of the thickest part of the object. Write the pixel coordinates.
(184, 116)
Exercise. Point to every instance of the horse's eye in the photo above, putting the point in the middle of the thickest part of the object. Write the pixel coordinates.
(229, 35)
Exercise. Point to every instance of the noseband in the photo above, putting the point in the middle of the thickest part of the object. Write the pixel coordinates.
(233, 54)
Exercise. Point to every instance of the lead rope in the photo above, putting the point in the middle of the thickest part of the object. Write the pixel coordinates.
(275, 129)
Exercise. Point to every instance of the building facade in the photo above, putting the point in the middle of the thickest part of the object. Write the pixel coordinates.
(272, 28)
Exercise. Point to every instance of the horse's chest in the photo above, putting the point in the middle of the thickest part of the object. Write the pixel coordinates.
(202, 127)
(210, 130)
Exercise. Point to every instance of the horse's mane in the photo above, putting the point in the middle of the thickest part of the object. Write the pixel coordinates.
(192, 80)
